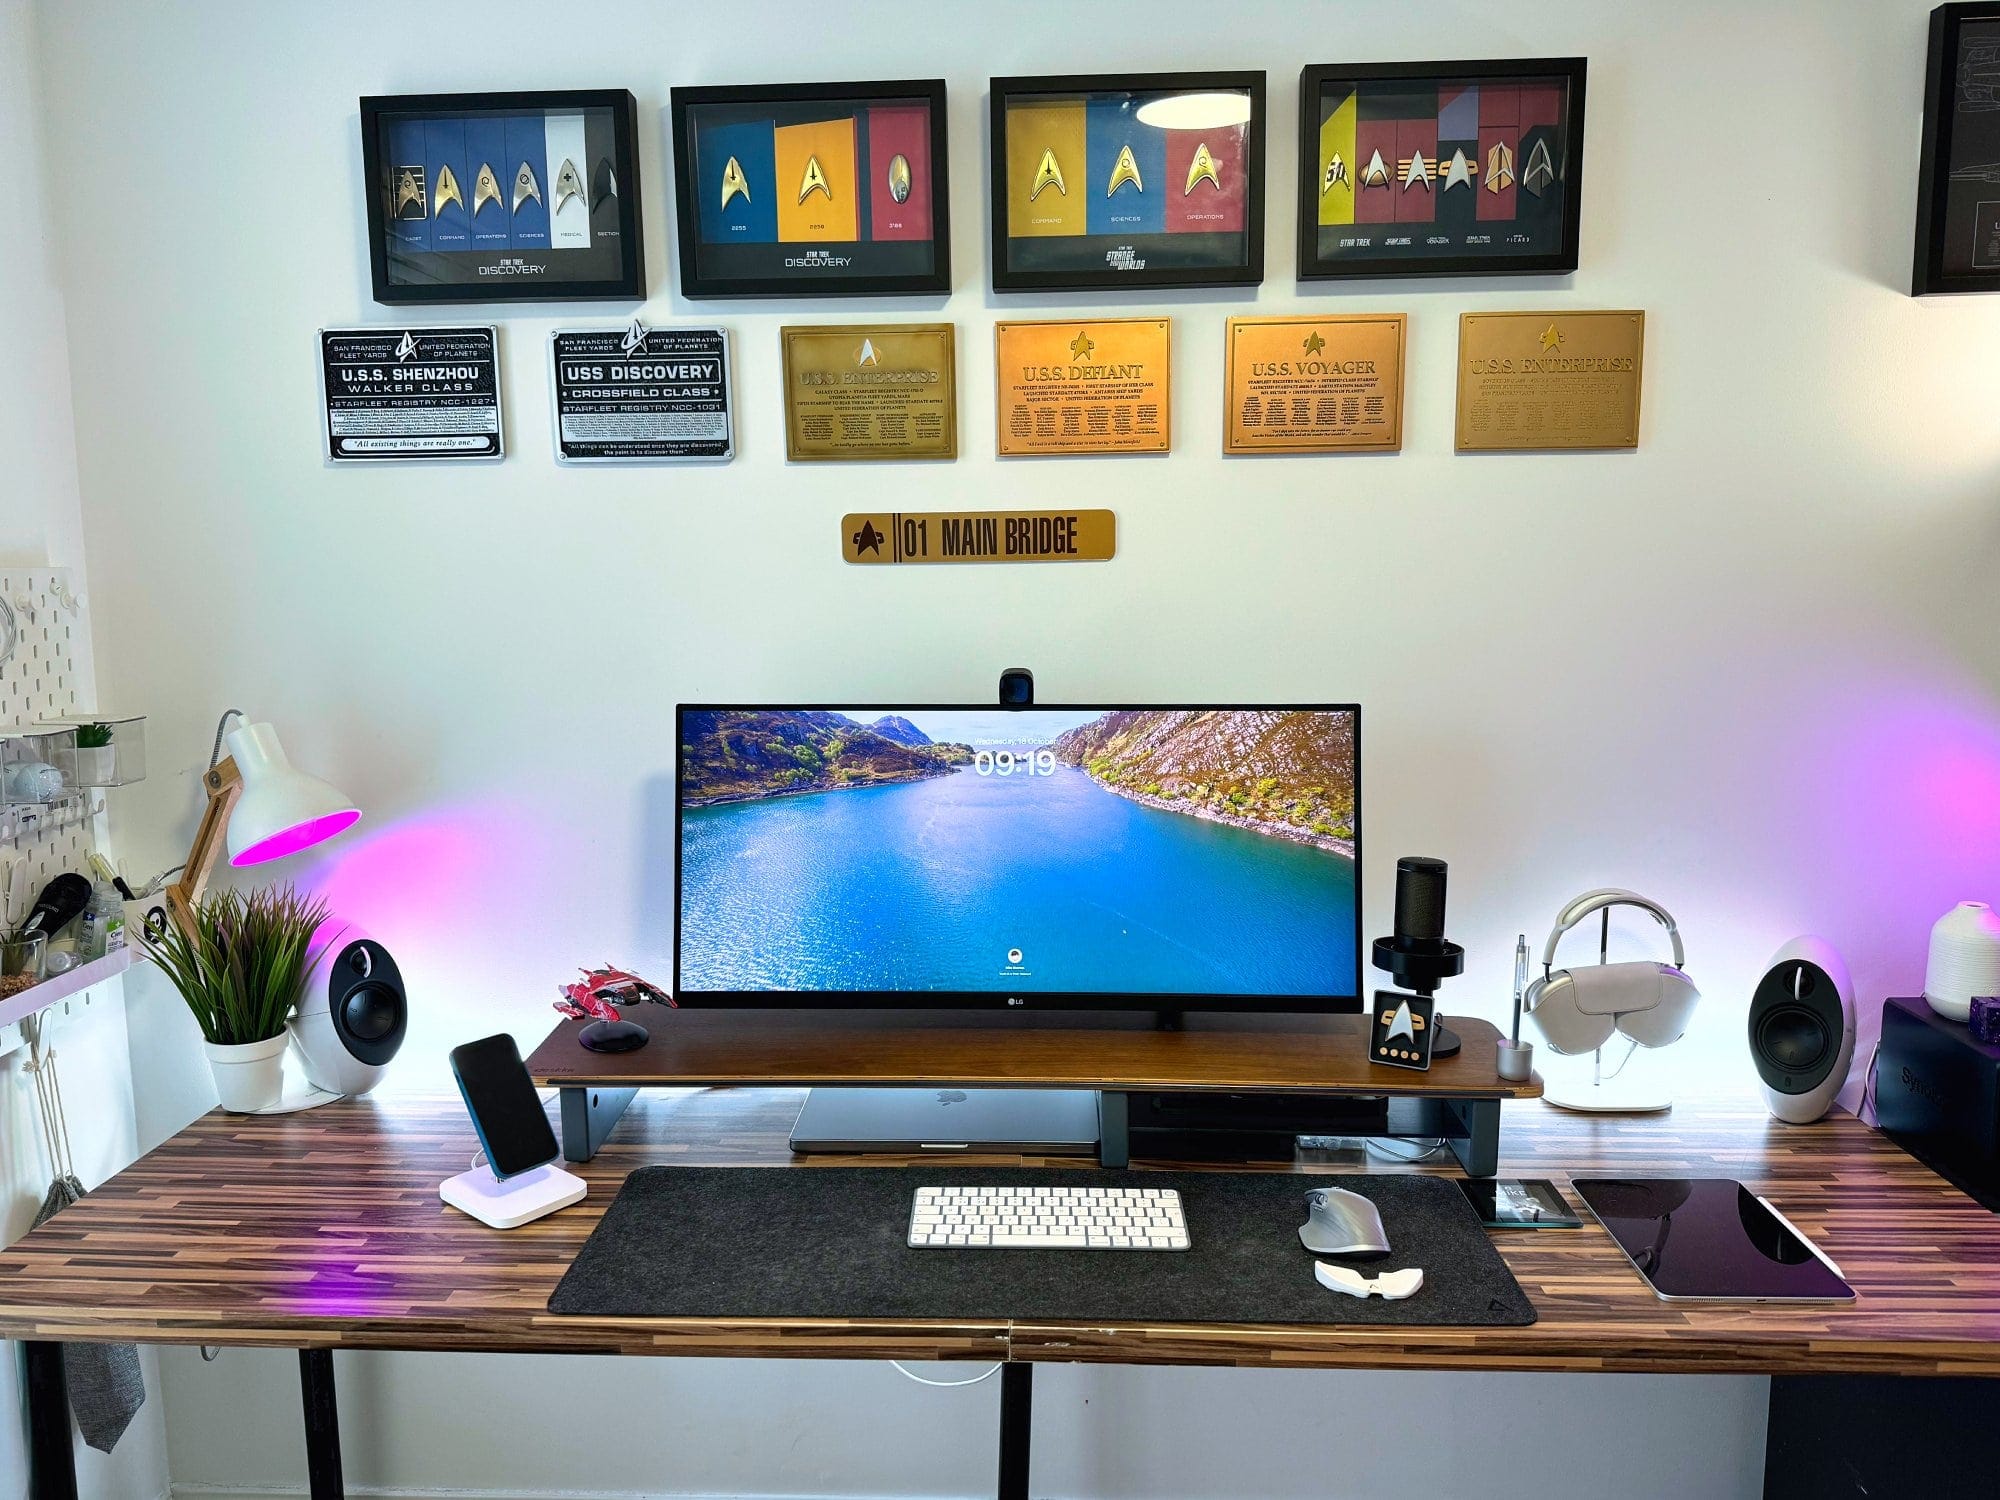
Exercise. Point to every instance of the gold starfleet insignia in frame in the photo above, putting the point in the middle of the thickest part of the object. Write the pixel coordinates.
(899, 178)
(525, 186)
(569, 184)
(410, 193)
(814, 181)
(1125, 170)
(485, 188)
(1048, 174)
(1416, 170)
(1376, 173)
(1335, 176)
(1201, 166)
(447, 192)
(979, 536)
(1459, 173)
(1499, 168)
(734, 183)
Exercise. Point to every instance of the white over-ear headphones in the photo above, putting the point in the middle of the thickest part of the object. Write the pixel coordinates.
(1578, 1009)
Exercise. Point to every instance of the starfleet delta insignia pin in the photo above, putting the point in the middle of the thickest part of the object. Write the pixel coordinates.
(447, 192)
(1048, 174)
(734, 183)
(410, 193)
(485, 188)
(814, 181)
(1125, 170)
(525, 186)
(569, 184)
(1201, 166)
(603, 184)
(899, 178)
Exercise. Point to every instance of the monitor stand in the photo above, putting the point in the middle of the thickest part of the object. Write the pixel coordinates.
(949, 1121)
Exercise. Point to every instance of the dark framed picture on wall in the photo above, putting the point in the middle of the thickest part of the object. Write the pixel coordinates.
(812, 189)
(519, 197)
(1129, 180)
(1440, 169)
(1958, 194)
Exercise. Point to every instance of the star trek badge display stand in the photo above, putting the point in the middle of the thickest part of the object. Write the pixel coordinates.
(1405, 1029)
(524, 197)
(1417, 956)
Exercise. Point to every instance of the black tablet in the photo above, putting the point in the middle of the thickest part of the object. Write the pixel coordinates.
(1710, 1239)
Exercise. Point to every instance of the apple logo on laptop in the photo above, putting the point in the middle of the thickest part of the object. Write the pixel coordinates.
(950, 1096)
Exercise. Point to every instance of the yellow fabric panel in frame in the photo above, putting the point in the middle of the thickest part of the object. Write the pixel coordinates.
(1035, 129)
(1336, 138)
(819, 181)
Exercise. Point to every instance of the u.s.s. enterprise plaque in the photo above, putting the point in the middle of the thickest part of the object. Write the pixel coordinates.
(1541, 380)
(1330, 384)
(870, 391)
(1083, 387)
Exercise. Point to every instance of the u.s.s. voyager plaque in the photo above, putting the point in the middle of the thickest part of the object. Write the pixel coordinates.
(870, 391)
(1529, 380)
(1330, 384)
(1083, 387)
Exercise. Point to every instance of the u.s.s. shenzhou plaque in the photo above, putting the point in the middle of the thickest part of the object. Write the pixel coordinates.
(870, 391)
(1549, 380)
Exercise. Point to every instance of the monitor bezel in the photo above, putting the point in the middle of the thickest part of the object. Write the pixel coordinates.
(1044, 1001)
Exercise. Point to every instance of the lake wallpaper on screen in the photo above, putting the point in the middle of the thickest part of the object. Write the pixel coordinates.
(1027, 851)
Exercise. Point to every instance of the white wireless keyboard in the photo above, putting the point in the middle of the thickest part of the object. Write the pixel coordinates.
(1048, 1218)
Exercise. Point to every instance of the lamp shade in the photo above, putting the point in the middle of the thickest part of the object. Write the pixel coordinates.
(282, 810)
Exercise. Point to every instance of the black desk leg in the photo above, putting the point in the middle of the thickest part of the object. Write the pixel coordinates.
(1478, 1152)
(587, 1117)
(51, 1458)
(323, 1479)
(1017, 1421)
(1877, 1437)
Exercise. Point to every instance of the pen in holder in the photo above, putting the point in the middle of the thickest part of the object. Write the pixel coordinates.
(1516, 1057)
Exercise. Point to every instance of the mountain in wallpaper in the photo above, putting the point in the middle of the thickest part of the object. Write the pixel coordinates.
(1284, 772)
(735, 755)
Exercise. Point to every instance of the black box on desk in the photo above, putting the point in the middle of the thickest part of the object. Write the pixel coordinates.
(1937, 1094)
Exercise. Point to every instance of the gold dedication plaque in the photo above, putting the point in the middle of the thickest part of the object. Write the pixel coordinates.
(1549, 380)
(879, 390)
(1331, 384)
(1097, 387)
(956, 536)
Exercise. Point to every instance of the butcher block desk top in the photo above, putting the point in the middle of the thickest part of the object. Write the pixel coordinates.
(324, 1230)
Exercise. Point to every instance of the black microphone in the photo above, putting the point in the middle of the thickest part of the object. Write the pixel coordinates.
(1418, 956)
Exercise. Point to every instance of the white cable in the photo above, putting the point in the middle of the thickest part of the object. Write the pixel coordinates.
(943, 1385)
(1424, 1153)
(1868, 1105)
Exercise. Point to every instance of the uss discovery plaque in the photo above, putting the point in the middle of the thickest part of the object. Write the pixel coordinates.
(1540, 380)
(640, 395)
(1331, 384)
(397, 394)
(1095, 387)
(952, 536)
(870, 390)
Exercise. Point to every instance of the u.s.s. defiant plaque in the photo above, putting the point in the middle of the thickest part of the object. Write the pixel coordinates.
(1331, 384)
(1083, 387)
(953, 536)
(870, 391)
(1541, 380)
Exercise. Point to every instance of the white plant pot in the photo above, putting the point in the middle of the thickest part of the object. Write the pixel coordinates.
(249, 1077)
(96, 765)
(1964, 959)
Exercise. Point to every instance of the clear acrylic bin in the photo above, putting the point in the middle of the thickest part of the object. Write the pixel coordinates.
(104, 752)
(31, 771)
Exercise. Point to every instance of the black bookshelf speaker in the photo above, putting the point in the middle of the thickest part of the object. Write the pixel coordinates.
(1802, 1029)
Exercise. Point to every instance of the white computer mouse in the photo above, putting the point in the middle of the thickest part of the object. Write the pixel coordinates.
(1390, 1286)
(1340, 1222)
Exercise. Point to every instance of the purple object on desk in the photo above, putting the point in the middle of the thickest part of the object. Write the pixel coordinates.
(1985, 1019)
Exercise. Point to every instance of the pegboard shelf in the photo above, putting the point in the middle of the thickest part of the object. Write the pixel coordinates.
(60, 987)
(20, 821)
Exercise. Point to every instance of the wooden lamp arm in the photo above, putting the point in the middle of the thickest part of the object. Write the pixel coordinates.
(225, 786)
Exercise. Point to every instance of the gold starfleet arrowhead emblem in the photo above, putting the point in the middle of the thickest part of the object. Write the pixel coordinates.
(410, 193)
(1540, 171)
(1202, 165)
(734, 183)
(525, 186)
(1376, 173)
(1416, 170)
(866, 354)
(603, 184)
(569, 184)
(447, 192)
(1125, 170)
(1334, 176)
(1081, 346)
(814, 181)
(1314, 343)
(1048, 174)
(899, 178)
(1499, 168)
(485, 188)
(1552, 339)
(868, 539)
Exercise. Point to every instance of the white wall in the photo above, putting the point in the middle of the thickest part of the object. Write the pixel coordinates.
(1750, 669)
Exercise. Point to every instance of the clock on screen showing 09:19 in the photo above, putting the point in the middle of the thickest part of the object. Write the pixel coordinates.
(1157, 858)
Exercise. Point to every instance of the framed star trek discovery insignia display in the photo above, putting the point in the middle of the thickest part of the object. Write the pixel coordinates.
(812, 189)
(862, 391)
(1529, 380)
(525, 197)
(1090, 387)
(1958, 193)
(640, 395)
(1331, 384)
(1130, 180)
(392, 394)
(1440, 169)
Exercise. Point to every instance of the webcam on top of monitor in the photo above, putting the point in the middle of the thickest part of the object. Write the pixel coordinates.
(1017, 688)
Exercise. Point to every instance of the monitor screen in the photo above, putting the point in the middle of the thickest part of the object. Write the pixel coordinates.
(1176, 858)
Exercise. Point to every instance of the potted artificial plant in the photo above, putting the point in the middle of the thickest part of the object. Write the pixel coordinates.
(96, 756)
(241, 970)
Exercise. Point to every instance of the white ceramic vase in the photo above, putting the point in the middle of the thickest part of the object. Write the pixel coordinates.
(1965, 959)
(249, 1077)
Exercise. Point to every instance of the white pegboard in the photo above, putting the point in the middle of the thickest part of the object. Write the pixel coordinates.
(47, 677)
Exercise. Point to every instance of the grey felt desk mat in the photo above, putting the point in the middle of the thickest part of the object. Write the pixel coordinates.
(828, 1242)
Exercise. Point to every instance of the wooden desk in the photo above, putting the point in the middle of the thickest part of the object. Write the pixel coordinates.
(323, 1231)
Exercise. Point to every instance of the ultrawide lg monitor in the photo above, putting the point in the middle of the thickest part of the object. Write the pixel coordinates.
(1170, 858)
